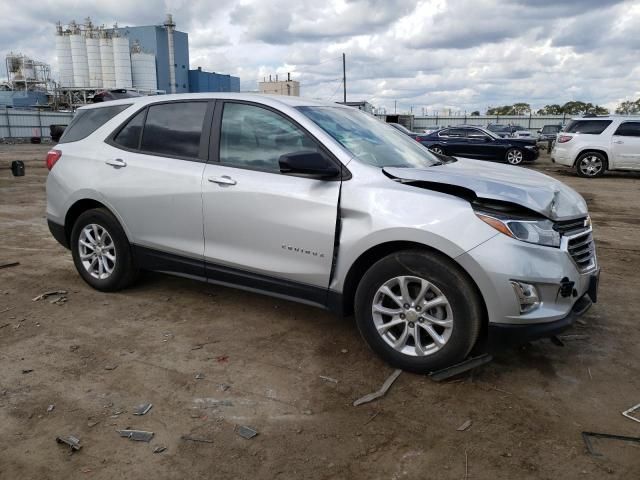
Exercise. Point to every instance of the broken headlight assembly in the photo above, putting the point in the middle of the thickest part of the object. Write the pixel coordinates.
(538, 231)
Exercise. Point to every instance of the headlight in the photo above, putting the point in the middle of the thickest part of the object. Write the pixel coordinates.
(540, 232)
(530, 147)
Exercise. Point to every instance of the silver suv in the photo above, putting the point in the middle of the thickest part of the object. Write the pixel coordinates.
(323, 204)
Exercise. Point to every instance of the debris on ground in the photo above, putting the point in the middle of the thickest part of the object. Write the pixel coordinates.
(110, 367)
(27, 370)
(586, 437)
(461, 367)
(11, 264)
(372, 417)
(383, 390)
(159, 449)
(222, 358)
(71, 441)
(142, 409)
(209, 402)
(136, 435)
(50, 408)
(199, 376)
(7, 309)
(190, 438)
(246, 432)
(344, 350)
(44, 295)
(92, 423)
(5, 325)
(223, 387)
(59, 300)
(627, 413)
(328, 379)
(464, 426)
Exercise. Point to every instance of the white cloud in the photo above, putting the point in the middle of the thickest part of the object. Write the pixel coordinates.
(434, 54)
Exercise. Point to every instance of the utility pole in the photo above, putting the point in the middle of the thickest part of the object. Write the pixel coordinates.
(344, 79)
(395, 106)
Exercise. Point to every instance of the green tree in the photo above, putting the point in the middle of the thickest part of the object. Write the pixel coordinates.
(475, 113)
(553, 109)
(520, 109)
(628, 107)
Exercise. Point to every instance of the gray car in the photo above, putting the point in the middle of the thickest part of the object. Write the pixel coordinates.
(325, 205)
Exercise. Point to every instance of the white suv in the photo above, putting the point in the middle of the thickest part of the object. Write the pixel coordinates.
(594, 145)
(326, 205)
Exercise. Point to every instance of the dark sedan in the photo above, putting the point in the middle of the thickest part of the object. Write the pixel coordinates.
(476, 142)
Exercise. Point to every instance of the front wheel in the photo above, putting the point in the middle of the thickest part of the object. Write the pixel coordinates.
(418, 311)
(437, 149)
(101, 251)
(591, 164)
(515, 156)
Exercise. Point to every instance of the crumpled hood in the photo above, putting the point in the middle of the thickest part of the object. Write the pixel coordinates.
(494, 181)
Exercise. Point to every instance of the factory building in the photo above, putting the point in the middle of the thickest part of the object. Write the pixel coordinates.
(201, 81)
(280, 87)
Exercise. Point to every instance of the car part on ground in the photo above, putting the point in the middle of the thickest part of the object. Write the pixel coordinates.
(338, 210)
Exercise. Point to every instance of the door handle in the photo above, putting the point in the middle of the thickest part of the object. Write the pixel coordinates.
(618, 141)
(223, 180)
(116, 162)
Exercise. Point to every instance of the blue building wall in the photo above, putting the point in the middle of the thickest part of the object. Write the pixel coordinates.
(200, 81)
(22, 99)
(153, 39)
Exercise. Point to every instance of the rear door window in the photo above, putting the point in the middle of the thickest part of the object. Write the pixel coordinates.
(174, 129)
(88, 121)
(628, 129)
(593, 127)
(129, 135)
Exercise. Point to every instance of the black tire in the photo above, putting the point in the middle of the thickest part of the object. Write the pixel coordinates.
(437, 269)
(583, 162)
(124, 271)
(437, 149)
(514, 156)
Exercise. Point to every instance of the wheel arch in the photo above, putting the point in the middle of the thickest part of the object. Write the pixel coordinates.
(593, 150)
(377, 252)
(79, 207)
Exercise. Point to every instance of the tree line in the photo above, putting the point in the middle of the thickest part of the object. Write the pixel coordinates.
(574, 107)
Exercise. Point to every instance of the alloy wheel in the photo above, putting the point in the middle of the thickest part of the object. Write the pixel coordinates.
(437, 150)
(97, 251)
(514, 157)
(412, 316)
(591, 165)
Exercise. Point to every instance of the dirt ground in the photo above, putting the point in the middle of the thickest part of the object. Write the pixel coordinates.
(99, 355)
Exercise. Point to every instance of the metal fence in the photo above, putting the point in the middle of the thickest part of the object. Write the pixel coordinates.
(531, 122)
(16, 123)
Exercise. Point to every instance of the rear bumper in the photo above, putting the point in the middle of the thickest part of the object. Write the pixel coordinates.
(502, 336)
(58, 233)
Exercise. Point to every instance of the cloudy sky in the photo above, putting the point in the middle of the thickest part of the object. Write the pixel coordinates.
(433, 54)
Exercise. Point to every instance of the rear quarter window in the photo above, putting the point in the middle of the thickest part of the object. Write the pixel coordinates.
(88, 121)
(593, 127)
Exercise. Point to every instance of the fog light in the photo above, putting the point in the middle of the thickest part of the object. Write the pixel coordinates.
(527, 296)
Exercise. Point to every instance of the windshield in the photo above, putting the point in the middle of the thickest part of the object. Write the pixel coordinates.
(369, 139)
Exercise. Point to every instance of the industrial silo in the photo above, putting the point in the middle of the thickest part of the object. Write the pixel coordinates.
(65, 62)
(93, 56)
(79, 57)
(122, 62)
(143, 69)
(106, 60)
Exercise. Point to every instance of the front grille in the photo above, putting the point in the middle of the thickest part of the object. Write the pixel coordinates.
(577, 237)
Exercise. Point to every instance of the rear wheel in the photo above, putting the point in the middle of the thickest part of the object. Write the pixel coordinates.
(514, 156)
(591, 164)
(418, 311)
(437, 149)
(101, 251)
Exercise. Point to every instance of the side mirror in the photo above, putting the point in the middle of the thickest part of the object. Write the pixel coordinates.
(307, 163)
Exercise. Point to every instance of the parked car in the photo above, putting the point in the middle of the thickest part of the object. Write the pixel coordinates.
(115, 94)
(499, 129)
(476, 142)
(549, 132)
(431, 129)
(595, 145)
(404, 130)
(516, 131)
(326, 205)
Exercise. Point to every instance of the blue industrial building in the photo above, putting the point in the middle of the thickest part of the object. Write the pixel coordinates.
(153, 39)
(200, 81)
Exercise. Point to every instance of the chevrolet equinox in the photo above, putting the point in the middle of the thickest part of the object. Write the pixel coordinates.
(437, 257)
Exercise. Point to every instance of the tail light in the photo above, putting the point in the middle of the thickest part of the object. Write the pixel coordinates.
(419, 139)
(52, 157)
(564, 138)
